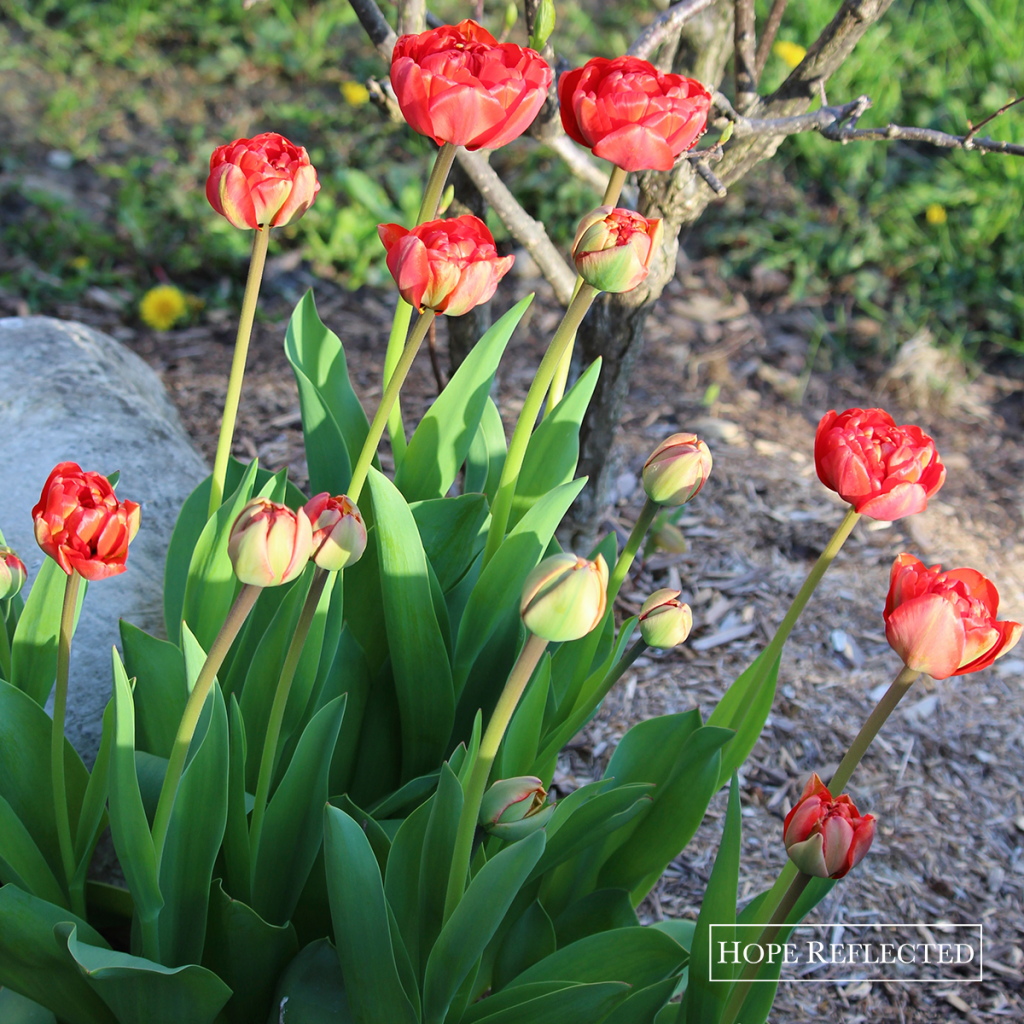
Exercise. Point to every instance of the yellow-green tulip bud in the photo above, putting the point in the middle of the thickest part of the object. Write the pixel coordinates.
(339, 533)
(12, 574)
(269, 544)
(664, 621)
(564, 598)
(513, 808)
(677, 469)
(613, 248)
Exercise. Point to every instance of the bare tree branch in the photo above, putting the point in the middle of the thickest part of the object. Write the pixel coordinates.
(578, 162)
(376, 26)
(412, 16)
(744, 49)
(529, 232)
(665, 26)
(771, 29)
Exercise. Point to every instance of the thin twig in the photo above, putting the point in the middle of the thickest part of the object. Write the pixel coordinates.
(745, 47)
(771, 29)
(665, 25)
(991, 117)
(376, 26)
(412, 16)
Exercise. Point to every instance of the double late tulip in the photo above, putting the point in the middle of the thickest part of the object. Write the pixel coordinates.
(629, 112)
(269, 544)
(613, 248)
(665, 621)
(884, 471)
(458, 84)
(265, 181)
(81, 525)
(448, 266)
(514, 808)
(564, 598)
(677, 469)
(944, 623)
(339, 533)
(826, 837)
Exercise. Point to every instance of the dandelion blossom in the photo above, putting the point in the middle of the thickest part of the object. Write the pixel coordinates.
(162, 307)
(791, 53)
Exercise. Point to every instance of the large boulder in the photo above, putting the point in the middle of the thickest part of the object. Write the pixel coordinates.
(69, 393)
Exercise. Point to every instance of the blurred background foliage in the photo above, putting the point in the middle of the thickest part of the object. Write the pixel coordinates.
(111, 108)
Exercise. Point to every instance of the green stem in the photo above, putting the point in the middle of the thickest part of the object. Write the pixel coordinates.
(778, 919)
(435, 183)
(60, 705)
(576, 720)
(869, 730)
(245, 319)
(625, 560)
(387, 403)
(284, 685)
(611, 198)
(502, 506)
(520, 675)
(396, 345)
(193, 708)
(5, 643)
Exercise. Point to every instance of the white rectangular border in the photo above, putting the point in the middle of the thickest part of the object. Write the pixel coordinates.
(852, 925)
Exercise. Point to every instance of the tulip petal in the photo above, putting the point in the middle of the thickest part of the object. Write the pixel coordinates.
(227, 189)
(928, 634)
(809, 856)
(899, 501)
(635, 148)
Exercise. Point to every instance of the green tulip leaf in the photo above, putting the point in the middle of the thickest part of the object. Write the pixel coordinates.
(519, 747)
(16, 1009)
(237, 868)
(160, 692)
(452, 532)
(569, 1004)
(436, 859)
(745, 708)
(21, 863)
(486, 457)
(439, 445)
(530, 939)
(312, 990)
(643, 1006)
(402, 880)
(598, 911)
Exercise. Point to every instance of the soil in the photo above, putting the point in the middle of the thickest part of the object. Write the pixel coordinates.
(944, 777)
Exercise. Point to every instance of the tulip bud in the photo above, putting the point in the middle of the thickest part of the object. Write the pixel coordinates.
(664, 621)
(12, 574)
(339, 533)
(825, 837)
(668, 537)
(269, 543)
(613, 248)
(564, 597)
(514, 808)
(677, 469)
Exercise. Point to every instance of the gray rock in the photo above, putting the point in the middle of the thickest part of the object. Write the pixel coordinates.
(69, 393)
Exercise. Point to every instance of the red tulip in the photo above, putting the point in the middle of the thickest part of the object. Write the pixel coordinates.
(81, 525)
(339, 533)
(884, 471)
(944, 623)
(614, 248)
(12, 574)
(629, 112)
(260, 182)
(269, 544)
(826, 837)
(458, 84)
(448, 266)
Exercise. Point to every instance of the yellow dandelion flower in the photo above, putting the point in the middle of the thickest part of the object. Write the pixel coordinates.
(791, 53)
(355, 93)
(935, 214)
(163, 306)
(80, 263)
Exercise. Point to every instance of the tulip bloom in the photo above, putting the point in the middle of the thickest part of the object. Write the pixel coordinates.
(884, 471)
(265, 181)
(339, 533)
(677, 469)
(564, 598)
(269, 544)
(12, 574)
(514, 808)
(458, 84)
(448, 266)
(81, 525)
(826, 837)
(665, 622)
(613, 248)
(629, 112)
(944, 623)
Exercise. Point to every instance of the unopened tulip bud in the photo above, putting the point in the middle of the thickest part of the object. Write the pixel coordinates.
(564, 598)
(664, 621)
(613, 248)
(677, 469)
(269, 543)
(825, 837)
(514, 808)
(12, 574)
(339, 533)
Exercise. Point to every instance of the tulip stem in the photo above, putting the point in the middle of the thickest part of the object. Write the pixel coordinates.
(869, 730)
(775, 925)
(578, 717)
(245, 319)
(435, 183)
(269, 758)
(520, 675)
(611, 198)
(396, 345)
(5, 643)
(387, 403)
(193, 708)
(632, 546)
(502, 505)
(60, 705)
